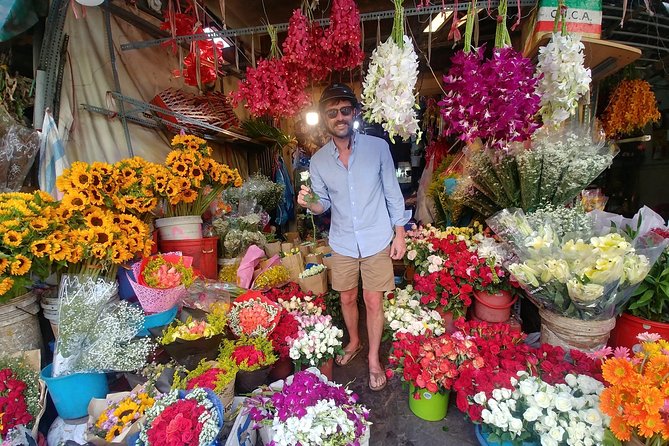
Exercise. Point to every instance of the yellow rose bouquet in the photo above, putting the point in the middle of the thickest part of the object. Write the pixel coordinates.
(192, 178)
(25, 247)
(577, 272)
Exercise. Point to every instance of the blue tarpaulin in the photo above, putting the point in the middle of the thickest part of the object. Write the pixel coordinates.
(18, 16)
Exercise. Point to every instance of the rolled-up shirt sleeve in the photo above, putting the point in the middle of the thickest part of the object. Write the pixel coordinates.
(391, 189)
(318, 187)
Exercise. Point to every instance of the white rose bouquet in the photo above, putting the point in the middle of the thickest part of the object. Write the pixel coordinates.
(550, 415)
(583, 275)
(404, 313)
(317, 341)
(312, 271)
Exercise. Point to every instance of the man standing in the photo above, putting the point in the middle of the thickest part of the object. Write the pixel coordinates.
(354, 175)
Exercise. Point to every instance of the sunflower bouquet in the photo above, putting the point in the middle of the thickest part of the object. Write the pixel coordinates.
(636, 394)
(26, 227)
(193, 179)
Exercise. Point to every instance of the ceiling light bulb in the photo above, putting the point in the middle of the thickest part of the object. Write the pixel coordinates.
(356, 125)
(312, 118)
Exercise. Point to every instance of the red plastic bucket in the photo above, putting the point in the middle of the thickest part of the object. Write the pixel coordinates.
(204, 252)
(628, 327)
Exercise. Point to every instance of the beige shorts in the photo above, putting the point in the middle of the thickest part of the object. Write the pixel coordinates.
(377, 272)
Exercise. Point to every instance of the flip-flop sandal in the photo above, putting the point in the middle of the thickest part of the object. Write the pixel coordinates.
(379, 377)
(347, 357)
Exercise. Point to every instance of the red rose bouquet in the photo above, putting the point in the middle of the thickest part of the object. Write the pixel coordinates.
(252, 314)
(20, 395)
(432, 363)
(247, 353)
(285, 330)
(183, 419)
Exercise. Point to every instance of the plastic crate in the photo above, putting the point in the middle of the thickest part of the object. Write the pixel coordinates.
(204, 252)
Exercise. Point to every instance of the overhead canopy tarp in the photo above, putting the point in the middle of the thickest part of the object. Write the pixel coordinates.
(18, 16)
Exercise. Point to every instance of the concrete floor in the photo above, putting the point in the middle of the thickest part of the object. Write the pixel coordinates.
(393, 422)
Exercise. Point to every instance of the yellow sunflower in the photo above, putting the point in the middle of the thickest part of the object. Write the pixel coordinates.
(59, 252)
(180, 168)
(39, 224)
(101, 168)
(4, 263)
(5, 285)
(75, 255)
(188, 196)
(99, 252)
(196, 173)
(103, 236)
(12, 238)
(20, 266)
(40, 248)
(75, 200)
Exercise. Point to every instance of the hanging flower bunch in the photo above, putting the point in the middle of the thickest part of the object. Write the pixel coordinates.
(563, 77)
(178, 418)
(327, 413)
(119, 416)
(273, 88)
(25, 244)
(388, 89)
(343, 38)
(252, 314)
(632, 107)
(494, 100)
(302, 49)
(178, 24)
(636, 394)
(247, 353)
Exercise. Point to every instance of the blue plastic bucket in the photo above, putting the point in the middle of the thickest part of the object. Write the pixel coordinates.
(72, 393)
(125, 290)
(157, 320)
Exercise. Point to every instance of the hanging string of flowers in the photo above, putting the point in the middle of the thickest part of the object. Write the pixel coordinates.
(632, 106)
(343, 38)
(563, 76)
(271, 89)
(387, 91)
(494, 99)
(302, 47)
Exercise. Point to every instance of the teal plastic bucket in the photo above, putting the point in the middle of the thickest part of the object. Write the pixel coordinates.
(72, 393)
(157, 320)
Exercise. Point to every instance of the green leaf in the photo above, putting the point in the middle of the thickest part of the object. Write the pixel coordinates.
(610, 439)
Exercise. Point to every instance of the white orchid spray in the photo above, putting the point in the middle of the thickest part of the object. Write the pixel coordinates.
(388, 89)
(564, 78)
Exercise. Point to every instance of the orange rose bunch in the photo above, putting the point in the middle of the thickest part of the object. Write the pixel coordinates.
(637, 396)
(632, 106)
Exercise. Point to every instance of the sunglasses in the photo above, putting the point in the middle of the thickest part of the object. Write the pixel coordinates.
(333, 112)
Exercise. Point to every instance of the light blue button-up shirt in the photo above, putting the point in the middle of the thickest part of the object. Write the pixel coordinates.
(365, 199)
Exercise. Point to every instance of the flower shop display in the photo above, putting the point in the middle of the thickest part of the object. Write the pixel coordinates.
(430, 365)
(183, 418)
(387, 91)
(554, 169)
(161, 281)
(314, 279)
(22, 396)
(237, 231)
(632, 107)
(328, 413)
(533, 411)
(563, 78)
(316, 343)
(218, 376)
(504, 353)
(252, 314)
(404, 313)
(117, 417)
(635, 395)
(253, 358)
(257, 189)
(579, 277)
(189, 341)
(95, 335)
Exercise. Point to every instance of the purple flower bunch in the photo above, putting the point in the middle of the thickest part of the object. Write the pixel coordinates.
(494, 100)
(307, 389)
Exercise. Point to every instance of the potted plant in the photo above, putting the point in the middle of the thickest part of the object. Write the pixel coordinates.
(648, 309)
(635, 396)
(430, 366)
(327, 413)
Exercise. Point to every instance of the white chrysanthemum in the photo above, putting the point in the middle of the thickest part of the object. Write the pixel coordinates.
(388, 89)
(565, 79)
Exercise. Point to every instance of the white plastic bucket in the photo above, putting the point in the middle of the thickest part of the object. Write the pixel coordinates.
(180, 228)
